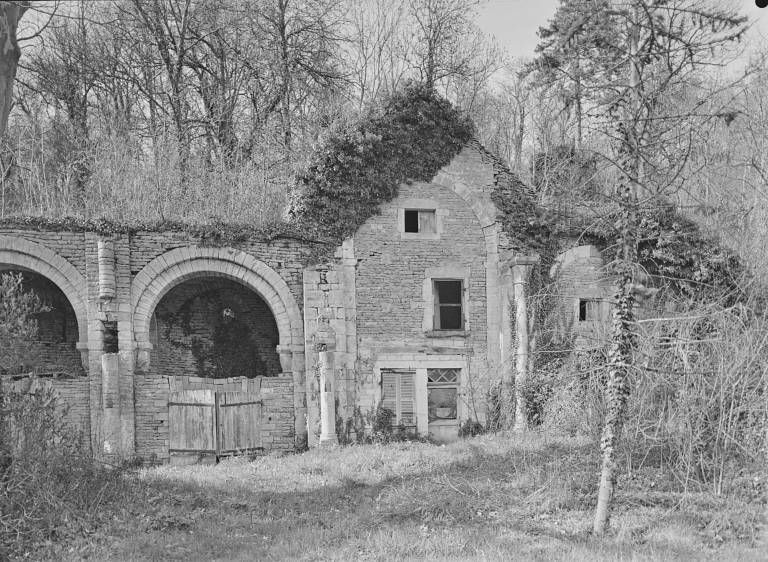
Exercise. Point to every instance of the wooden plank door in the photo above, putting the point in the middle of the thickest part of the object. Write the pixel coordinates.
(192, 421)
(239, 422)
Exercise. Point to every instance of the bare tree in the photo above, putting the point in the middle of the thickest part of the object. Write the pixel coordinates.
(10, 16)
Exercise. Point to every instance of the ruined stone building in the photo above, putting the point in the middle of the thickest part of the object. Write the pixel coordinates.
(161, 343)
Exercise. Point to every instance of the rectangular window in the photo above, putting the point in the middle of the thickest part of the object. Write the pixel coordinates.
(448, 307)
(589, 310)
(420, 220)
(398, 395)
(442, 394)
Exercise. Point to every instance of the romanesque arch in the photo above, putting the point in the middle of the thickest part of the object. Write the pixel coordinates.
(23, 254)
(172, 268)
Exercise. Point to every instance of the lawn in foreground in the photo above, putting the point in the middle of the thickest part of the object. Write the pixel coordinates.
(488, 498)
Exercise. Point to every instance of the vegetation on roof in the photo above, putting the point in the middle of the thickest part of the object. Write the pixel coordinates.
(361, 164)
(214, 233)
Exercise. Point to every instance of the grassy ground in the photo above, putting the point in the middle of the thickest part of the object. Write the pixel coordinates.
(487, 498)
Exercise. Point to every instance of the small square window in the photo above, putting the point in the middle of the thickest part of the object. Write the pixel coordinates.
(448, 306)
(420, 221)
(589, 310)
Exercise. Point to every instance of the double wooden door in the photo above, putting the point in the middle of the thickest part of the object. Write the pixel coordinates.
(208, 422)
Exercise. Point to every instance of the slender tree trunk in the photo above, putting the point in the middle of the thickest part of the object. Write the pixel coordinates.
(10, 15)
(578, 102)
(619, 365)
(622, 344)
(520, 136)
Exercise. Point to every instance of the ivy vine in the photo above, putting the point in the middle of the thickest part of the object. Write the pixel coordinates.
(361, 164)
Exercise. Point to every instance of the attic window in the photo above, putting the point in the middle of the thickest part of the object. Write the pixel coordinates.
(589, 310)
(420, 221)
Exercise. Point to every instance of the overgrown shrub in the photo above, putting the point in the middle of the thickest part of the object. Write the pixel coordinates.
(698, 408)
(50, 487)
(18, 325)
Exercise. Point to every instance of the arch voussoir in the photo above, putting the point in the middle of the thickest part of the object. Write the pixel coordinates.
(25, 254)
(181, 264)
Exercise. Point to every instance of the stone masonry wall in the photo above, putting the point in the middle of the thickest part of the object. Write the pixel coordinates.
(390, 285)
(330, 320)
(71, 398)
(122, 406)
(580, 275)
(69, 245)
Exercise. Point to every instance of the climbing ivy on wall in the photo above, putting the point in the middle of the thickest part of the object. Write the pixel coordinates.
(361, 164)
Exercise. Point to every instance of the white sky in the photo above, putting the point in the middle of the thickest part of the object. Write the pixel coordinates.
(515, 22)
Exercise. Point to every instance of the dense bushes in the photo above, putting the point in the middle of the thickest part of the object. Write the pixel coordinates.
(698, 406)
(50, 487)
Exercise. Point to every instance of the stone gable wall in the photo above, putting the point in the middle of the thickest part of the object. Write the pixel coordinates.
(390, 284)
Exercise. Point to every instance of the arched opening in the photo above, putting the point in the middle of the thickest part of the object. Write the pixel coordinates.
(54, 350)
(214, 327)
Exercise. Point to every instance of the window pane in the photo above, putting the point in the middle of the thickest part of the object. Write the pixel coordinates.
(450, 318)
(411, 221)
(442, 375)
(448, 292)
(441, 403)
(589, 310)
(427, 222)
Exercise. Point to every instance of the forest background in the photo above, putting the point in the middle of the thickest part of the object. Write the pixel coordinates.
(204, 111)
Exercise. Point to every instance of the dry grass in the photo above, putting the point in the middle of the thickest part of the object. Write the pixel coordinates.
(128, 183)
(487, 498)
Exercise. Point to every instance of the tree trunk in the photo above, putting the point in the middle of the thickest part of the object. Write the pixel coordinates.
(10, 15)
(617, 392)
(622, 344)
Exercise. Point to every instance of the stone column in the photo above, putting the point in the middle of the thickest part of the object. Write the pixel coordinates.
(327, 396)
(105, 257)
(110, 399)
(515, 377)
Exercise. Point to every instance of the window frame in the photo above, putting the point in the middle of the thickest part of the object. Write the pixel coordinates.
(455, 385)
(420, 206)
(587, 305)
(438, 306)
(420, 364)
(449, 272)
(420, 213)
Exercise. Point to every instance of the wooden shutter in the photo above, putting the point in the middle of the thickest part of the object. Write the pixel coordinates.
(398, 394)
(427, 222)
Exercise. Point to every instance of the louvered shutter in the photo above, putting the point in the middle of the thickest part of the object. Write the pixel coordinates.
(407, 415)
(398, 394)
(389, 380)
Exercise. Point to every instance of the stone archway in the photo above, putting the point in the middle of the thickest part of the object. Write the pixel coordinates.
(182, 264)
(25, 255)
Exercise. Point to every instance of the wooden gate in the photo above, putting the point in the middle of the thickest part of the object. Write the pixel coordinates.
(205, 422)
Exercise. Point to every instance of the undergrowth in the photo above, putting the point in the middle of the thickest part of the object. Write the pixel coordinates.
(51, 489)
